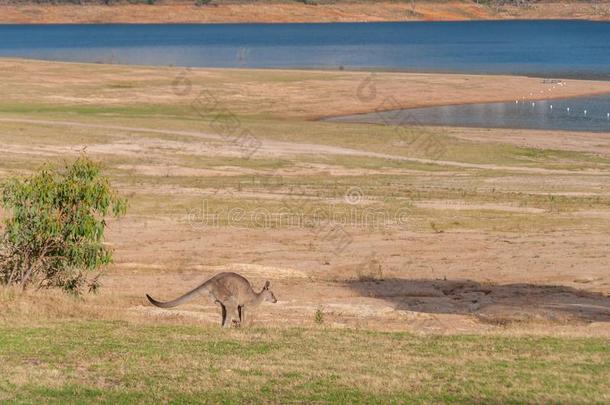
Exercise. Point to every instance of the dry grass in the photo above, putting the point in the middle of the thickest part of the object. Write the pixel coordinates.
(110, 89)
(501, 239)
(284, 11)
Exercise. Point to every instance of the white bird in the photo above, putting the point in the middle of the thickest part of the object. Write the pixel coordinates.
(608, 116)
(568, 109)
(516, 101)
(585, 112)
(533, 104)
(551, 106)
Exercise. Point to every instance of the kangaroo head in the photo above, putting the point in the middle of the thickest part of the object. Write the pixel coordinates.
(267, 294)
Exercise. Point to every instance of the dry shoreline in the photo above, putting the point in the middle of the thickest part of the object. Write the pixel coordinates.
(408, 90)
(506, 100)
(292, 12)
(506, 230)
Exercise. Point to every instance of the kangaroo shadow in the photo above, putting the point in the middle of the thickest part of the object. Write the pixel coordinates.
(496, 303)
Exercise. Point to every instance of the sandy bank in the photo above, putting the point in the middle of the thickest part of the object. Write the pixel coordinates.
(285, 11)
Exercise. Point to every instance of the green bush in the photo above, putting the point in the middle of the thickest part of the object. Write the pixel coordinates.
(318, 316)
(55, 230)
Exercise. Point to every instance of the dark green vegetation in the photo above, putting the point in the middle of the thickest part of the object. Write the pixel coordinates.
(56, 226)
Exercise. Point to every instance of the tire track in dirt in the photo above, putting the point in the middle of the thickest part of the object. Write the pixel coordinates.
(277, 147)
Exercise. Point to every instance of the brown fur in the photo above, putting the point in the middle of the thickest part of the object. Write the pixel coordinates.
(232, 291)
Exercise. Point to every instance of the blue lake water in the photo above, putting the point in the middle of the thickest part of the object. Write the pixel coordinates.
(566, 49)
(542, 48)
(589, 114)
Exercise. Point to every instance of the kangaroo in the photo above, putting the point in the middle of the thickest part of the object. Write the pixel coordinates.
(232, 291)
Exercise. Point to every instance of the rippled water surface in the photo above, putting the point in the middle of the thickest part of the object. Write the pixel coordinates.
(544, 48)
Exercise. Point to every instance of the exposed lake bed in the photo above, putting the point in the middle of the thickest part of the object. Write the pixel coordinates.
(549, 49)
(467, 241)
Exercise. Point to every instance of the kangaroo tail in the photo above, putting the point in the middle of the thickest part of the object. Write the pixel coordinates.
(180, 300)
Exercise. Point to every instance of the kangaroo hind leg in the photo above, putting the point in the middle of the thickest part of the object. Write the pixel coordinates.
(242, 315)
(232, 315)
(223, 311)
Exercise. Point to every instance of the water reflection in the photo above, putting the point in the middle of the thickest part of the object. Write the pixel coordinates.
(591, 114)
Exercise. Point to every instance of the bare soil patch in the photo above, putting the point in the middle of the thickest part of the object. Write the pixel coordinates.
(516, 244)
(282, 94)
(284, 12)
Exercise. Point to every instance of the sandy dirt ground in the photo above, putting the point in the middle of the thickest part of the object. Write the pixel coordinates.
(307, 94)
(584, 142)
(505, 233)
(479, 283)
(389, 279)
(275, 149)
(276, 12)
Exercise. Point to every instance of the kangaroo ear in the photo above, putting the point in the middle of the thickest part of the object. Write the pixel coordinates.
(267, 284)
